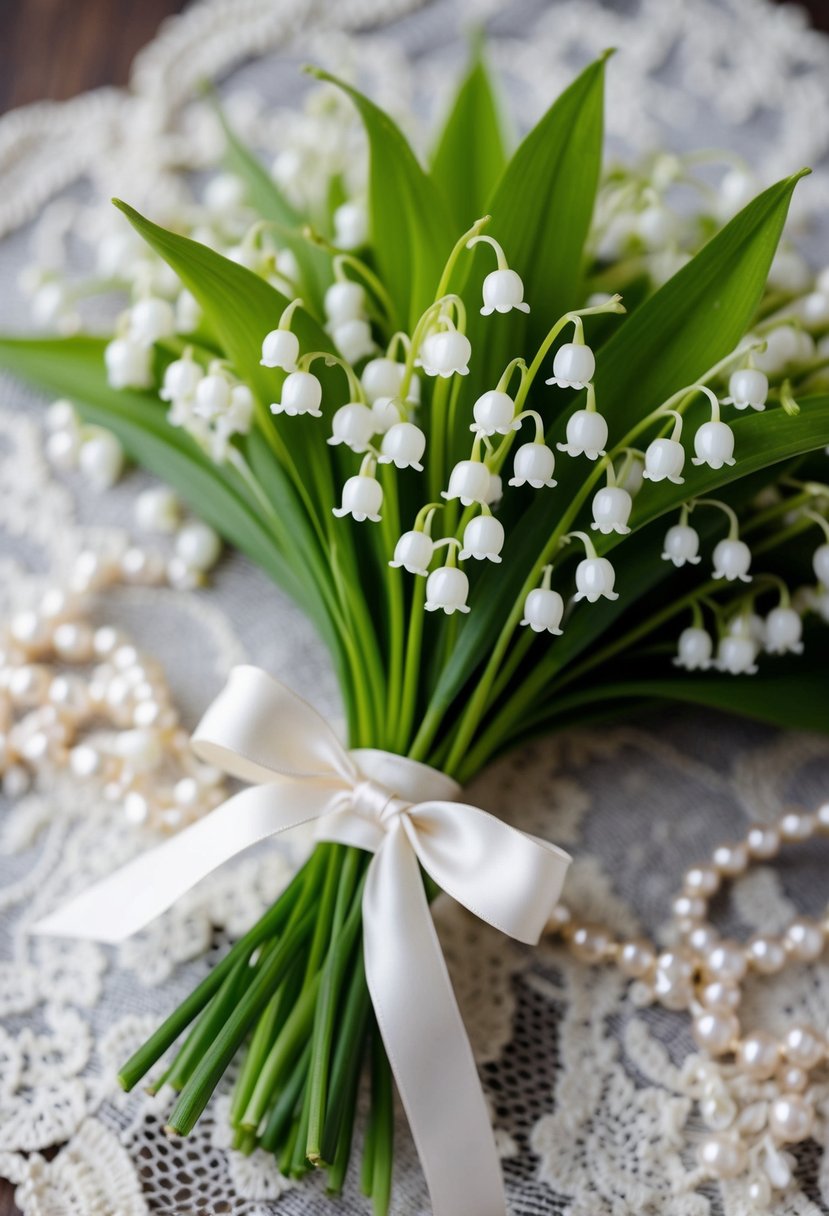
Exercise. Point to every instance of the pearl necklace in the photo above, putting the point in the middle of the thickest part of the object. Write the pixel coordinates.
(702, 975)
(115, 722)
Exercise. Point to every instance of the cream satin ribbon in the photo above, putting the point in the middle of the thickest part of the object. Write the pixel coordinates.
(407, 815)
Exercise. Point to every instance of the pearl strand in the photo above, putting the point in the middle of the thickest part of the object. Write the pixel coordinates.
(85, 699)
(702, 975)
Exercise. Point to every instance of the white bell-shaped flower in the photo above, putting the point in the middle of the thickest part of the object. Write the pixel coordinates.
(386, 413)
(468, 481)
(403, 445)
(151, 320)
(543, 610)
(736, 655)
(820, 564)
(573, 366)
(694, 650)
(383, 377)
(611, 510)
(188, 312)
(732, 560)
(350, 225)
(533, 465)
(212, 395)
(362, 498)
(353, 424)
(784, 631)
(749, 624)
(681, 545)
(586, 435)
(447, 588)
(345, 301)
(494, 414)
(128, 364)
(445, 353)
(240, 415)
(413, 552)
(181, 379)
(594, 580)
(483, 539)
(782, 348)
(301, 394)
(503, 290)
(748, 387)
(495, 491)
(714, 445)
(664, 460)
(353, 339)
(280, 348)
(632, 475)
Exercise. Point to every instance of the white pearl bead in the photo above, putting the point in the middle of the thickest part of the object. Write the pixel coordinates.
(138, 566)
(101, 459)
(136, 808)
(636, 958)
(85, 760)
(688, 907)
(105, 640)
(715, 1032)
(791, 1118)
(725, 961)
(797, 825)
(762, 842)
(73, 641)
(30, 631)
(186, 792)
(765, 953)
(730, 859)
(822, 817)
(559, 919)
(722, 1156)
(591, 943)
(702, 937)
(28, 685)
(804, 939)
(62, 449)
(701, 880)
(198, 545)
(803, 1046)
(759, 1193)
(718, 1110)
(758, 1055)
(720, 997)
(793, 1079)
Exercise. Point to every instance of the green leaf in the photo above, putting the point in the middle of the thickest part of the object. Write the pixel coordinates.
(411, 232)
(470, 155)
(270, 203)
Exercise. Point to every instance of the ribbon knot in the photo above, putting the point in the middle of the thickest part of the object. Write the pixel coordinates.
(261, 732)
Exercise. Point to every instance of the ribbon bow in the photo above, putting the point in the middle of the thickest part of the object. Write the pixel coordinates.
(407, 815)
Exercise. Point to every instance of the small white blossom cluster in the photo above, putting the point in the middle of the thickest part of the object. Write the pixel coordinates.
(70, 444)
(212, 405)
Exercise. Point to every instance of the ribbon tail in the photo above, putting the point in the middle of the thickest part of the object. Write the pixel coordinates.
(425, 1039)
(126, 901)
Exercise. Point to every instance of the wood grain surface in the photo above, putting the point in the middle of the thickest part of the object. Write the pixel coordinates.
(57, 48)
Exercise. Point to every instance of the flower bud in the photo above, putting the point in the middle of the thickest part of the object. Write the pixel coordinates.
(353, 339)
(784, 631)
(362, 498)
(494, 414)
(151, 320)
(445, 353)
(386, 413)
(128, 364)
(212, 395)
(353, 424)
(732, 559)
(586, 435)
(695, 649)
(345, 302)
(350, 225)
(611, 510)
(280, 348)
(413, 552)
(181, 379)
(483, 539)
(573, 366)
(447, 588)
(383, 378)
(533, 465)
(468, 481)
(594, 579)
(403, 445)
(543, 610)
(681, 545)
(664, 459)
(748, 387)
(736, 655)
(301, 394)
(503, 290)
(820, 564)
(714, 445)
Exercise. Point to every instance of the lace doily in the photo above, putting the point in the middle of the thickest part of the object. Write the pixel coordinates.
(591, 1102)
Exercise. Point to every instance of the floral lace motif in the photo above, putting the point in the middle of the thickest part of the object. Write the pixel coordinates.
(592, 1097)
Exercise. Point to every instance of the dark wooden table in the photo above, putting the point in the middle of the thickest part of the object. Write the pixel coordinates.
(57, 48)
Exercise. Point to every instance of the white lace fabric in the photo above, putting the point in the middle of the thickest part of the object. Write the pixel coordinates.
(592, 1097)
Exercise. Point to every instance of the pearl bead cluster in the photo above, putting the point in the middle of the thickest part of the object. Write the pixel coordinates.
(702, 974)
(83, 698)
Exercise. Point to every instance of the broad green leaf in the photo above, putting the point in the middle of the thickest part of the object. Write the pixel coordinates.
(411, 232)
(471, 154)
(270, 203)
(696, 319)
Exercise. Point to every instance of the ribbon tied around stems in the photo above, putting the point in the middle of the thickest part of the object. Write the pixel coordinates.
(408, 816)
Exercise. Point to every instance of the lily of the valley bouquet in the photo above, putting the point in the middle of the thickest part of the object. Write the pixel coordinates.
(531, 447)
